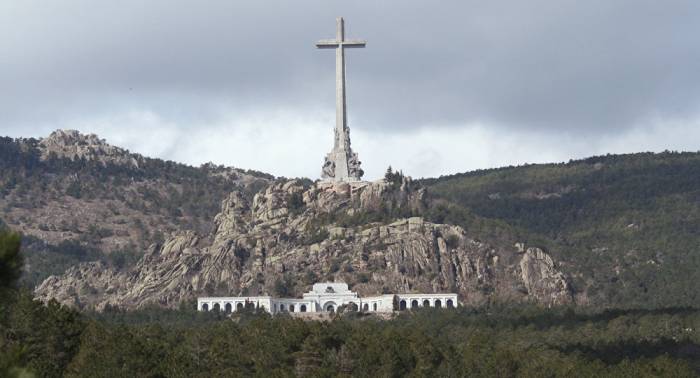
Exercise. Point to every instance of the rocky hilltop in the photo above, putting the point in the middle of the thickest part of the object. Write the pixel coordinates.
(74, 197)
(71, 144)
(291, 235)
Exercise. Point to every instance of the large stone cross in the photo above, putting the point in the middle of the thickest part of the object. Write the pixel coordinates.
(341, 164)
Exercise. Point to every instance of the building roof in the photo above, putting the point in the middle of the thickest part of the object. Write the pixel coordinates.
(330, 288)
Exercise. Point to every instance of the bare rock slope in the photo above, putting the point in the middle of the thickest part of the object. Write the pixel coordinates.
(290, 236)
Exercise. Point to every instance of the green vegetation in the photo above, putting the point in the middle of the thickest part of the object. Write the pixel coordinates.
(10, 259)
(51, 341)
(283, 286)
(54, 341)
(625, 227)
(315, 234)
(361, 218)
(295, 203)
(395, 178)
(46, 259)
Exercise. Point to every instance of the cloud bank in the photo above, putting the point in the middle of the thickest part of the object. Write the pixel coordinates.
(441, 87)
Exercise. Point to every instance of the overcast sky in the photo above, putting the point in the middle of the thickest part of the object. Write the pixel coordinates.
(442, 87)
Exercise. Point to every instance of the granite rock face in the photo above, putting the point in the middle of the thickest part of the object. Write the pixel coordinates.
(71, 144)
(541, 278)
(290, 236)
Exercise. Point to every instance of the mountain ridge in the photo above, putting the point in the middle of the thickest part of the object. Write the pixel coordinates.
(621, 229)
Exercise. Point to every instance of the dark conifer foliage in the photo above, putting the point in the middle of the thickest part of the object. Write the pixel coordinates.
(626, 228)
(10, 259)
(48, 340)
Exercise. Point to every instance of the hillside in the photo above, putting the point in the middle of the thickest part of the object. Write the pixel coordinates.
(114, 227)
(52, 340)
(625, 228)
(76, 198)
(290, 236)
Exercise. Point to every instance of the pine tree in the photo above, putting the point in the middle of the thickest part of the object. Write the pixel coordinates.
(10, 259)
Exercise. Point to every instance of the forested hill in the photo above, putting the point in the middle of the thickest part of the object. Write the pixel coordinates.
(626, 228)
(76, 198)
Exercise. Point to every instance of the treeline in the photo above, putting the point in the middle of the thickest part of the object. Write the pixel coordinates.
(52, 341)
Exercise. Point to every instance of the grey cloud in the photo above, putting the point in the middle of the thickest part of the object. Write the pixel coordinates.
(563, 66)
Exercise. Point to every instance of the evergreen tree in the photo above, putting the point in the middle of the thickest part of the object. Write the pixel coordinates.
(10, 259)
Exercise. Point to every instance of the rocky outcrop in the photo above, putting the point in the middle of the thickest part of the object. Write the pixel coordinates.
(541, 278)
(290, 236)
(73, 145)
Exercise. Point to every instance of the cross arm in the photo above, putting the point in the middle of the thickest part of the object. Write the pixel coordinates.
(327, 44)
(354, 43)
(332, 43)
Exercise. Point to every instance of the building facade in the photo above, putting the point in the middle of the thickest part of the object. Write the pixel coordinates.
(328, 297)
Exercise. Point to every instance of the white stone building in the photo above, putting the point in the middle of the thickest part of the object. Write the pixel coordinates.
(328, 297)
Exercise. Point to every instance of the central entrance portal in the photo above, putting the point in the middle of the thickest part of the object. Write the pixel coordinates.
(330, 307)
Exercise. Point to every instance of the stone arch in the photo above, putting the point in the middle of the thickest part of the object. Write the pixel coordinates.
(414, 304)
(216, 307)
(330, 307)
(302, 308)
(374, 307)
(282, 308)
(205, 307)
(426, 303)
(228, 307)
(438, 303)
(450, 304)
(352, 306)
(402, 305)
(239, 306)
(291, 308)
(365, 307)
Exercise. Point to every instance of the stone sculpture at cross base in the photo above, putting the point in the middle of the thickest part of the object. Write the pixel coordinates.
(336, 172)
(341, 164)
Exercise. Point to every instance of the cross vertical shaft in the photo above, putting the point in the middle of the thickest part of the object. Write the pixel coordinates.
(341, 164)
(340, 113)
